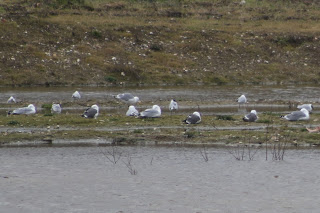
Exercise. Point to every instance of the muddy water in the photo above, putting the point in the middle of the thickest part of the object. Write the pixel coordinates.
(167, 179)
(221, 99)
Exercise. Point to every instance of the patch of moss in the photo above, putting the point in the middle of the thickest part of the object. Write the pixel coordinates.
(110, 79)
(219, 80)
(13, 123)
(96, 34)
(46, 106)
(225, 117)
(264, 121)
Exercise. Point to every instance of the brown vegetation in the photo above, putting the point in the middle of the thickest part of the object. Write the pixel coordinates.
(78, 42)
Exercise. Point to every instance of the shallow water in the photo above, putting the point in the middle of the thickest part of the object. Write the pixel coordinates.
(168, 179)
(80, 178)
(192, 93)
(217, 99)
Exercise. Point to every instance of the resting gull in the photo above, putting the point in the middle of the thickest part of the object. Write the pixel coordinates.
(127, 98)
(132, 111)
(56, 108)
(11, 100)
(30, 109)
(301, 115)
(154, 112)
(251, 117)
(308, 107)
(194, 118)
(91, 112)
(242, 100)
(76, 95)
(173, 105)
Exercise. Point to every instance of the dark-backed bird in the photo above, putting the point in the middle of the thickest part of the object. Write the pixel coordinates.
(194, 118)
(91, 112)
(251, 117)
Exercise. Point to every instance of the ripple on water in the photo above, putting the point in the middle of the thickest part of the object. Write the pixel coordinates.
(168, 179)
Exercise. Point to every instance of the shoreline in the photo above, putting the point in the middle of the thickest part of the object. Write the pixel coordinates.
(256, 134)
(106, 143)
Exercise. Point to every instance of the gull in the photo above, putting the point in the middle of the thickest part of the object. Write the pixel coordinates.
(251, 117)
(301, 115)
(56, 108)
(308, 107)
(173, 105)
(127, 98)
(132, 111)
(153, 112)
(30, 109)
(11, 100)
(242, 100)
(76, 95)
(194, 118)
(91, 112)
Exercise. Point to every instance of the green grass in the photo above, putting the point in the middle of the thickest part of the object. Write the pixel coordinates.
(67, 126)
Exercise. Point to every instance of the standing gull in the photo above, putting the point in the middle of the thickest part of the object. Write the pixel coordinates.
(301, 115)
(251, 117)
(194, 118)
(91, 112)
(11, 100)
(56, 108)
(242, 100)
(30, 109)
(132, 111)
(76, 95)
(173, 105)
(127, 98)
(308, 107)
(154, 112)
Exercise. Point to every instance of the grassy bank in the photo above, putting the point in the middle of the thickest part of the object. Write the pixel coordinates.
(104, 42)
(167, 129)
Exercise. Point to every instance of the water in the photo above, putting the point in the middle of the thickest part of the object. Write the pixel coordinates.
(169, 179)
(81, 178)
(220, 99)
(216, 94)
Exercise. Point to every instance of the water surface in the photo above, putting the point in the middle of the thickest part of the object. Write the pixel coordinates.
(297, 93)
(217, 99)
(168, 179)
